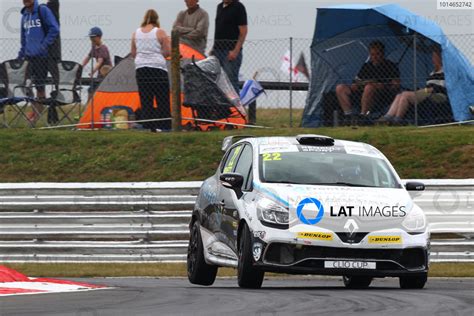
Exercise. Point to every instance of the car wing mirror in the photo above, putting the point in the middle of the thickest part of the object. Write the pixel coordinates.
(233, 181)
(414, 186)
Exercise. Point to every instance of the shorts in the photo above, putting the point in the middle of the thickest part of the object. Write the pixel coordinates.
(38, 71)
(422, 95)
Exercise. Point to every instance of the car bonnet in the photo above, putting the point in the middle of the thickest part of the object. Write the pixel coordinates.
(371, 208)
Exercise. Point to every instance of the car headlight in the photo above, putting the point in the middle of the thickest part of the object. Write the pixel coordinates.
(271, 212)
(415, 220)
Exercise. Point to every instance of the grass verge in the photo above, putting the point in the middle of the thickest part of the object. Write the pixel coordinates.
(103, 156)
(69, 270)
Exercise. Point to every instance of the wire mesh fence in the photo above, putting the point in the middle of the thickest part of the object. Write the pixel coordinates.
(350, 80)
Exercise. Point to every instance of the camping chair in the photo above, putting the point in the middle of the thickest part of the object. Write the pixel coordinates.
(66, 97)
(3, 87)
(3, 92)
(17, 92)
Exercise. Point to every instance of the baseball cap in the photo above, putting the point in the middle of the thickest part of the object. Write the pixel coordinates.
(95, 31)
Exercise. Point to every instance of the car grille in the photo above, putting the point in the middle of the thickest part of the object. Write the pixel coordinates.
(286, 254)
(352, 239)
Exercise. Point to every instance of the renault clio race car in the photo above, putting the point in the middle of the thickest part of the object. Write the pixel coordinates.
(307, 205)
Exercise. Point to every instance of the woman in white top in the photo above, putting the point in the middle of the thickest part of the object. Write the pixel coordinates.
(150, 47)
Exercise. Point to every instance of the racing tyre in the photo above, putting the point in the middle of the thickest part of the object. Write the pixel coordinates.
(248, 276)
(199, 272)
(357, 282)
(417, 281)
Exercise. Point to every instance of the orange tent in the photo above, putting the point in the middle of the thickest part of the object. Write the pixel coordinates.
(119, 90)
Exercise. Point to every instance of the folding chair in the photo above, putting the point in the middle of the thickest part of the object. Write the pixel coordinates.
(66, 97)
(3, 85)
(17, 90)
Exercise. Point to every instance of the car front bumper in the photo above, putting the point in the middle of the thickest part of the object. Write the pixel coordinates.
(283, 252)
(287, 258)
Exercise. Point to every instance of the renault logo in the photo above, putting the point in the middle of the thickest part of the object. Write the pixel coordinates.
(351, 227)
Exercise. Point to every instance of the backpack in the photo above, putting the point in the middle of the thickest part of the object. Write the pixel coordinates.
(54, 50)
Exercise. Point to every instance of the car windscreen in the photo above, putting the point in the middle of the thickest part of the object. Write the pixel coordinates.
(332, 168)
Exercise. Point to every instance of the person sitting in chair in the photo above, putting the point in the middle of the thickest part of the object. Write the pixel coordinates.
(378, 77)
(435, 90)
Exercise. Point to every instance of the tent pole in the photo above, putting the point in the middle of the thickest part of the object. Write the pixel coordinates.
(92, 85)
(291, 82)
(175, 83)
(415, 86)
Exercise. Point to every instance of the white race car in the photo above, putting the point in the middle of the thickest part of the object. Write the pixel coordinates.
(307, 205)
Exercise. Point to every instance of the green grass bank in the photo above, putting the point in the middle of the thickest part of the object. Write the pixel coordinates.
(103, 156)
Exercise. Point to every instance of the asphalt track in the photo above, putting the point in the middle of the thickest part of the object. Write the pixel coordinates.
(293, 296)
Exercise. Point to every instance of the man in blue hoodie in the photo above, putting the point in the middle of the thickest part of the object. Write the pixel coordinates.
(35, 41)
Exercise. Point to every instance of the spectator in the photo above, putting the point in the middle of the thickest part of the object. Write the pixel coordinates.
(378, 78)
(192, 25)
(54, 52)
(104, 71)
(39, 30)
(435, 90)
(230, 33)
(54, 57)
(150, 47)
(99, 52)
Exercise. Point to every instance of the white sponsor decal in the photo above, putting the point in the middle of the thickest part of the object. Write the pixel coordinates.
(345, 264)
(278, 149)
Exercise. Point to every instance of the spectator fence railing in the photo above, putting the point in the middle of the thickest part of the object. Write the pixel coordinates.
(148, 222)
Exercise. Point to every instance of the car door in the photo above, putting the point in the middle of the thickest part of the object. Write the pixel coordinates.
(223, 194)
(230, 201)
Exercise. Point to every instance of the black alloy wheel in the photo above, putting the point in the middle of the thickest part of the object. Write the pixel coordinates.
(247, 274)
(199, 272)
(417, 281)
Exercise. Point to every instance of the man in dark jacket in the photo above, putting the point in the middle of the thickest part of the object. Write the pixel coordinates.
(36, 39)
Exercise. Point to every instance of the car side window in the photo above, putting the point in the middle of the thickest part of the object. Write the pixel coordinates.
(231, 159)
(244, 166)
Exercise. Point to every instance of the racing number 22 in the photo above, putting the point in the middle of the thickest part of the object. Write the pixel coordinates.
(272, 157)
